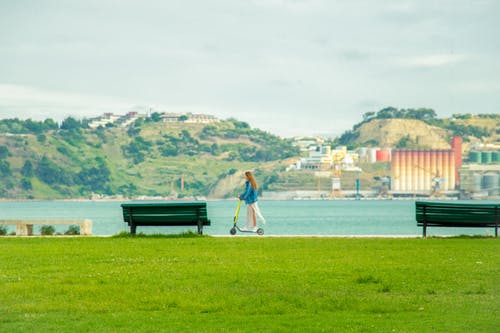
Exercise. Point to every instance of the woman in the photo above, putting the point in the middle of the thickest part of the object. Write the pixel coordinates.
(250, 197)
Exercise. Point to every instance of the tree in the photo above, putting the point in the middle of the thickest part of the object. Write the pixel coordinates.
(26, 184)
(136, 149)
(70, 123)
(50, 124)
(239, 124)
(95, 178)
(420, 114)
(33, 126)
(27, 169)
(5, 168)
(51, 173)
(368, 115)
(41, 138)
(4, 152)
(404, 142)
(387, 112)
(156, 117)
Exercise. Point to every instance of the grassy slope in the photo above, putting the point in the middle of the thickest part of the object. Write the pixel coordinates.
(157, 175)
(249, 284)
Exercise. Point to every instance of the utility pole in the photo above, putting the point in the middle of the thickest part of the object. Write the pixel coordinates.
(357, 185)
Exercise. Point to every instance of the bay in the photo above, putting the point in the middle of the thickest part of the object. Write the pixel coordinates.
(295, 217)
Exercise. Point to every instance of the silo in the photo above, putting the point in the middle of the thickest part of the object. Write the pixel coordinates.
(452, 170)
(363, 153)
(427, 168)
(456, 145)
(490, 181)
(495, 157)
(446, 170)
(383, 155)
(395, 171)
(475, 157)
(439, 163)
(421, 170)
(477, 180)
(433, 168)
(409, 169)
(372, 155)
(402, 169)
(486, 157)
(416, 170)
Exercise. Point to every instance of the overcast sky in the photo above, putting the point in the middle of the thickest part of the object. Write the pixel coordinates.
(290, 67)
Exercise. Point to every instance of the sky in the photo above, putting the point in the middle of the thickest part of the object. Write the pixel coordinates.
(289, 67)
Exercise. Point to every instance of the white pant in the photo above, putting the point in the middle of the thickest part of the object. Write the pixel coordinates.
(253, 212)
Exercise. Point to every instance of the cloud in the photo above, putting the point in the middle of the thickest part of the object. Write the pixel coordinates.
(432, 60)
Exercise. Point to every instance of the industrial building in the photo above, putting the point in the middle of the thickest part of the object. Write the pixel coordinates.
(426, 170)
(422, 170)
(480, 180)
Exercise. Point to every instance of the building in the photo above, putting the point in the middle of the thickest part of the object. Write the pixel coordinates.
(480, 180)
(188, 118)
(424, 170)
(201, 118)
(421, 170)
(319, 159)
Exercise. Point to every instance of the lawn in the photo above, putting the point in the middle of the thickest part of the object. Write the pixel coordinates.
(243, 284)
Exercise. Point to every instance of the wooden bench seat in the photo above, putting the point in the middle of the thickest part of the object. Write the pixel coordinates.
(166, 214)
(459, 215)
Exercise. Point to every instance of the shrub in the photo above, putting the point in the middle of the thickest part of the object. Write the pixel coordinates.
(73, 230)
(47, 230)
(3, 230)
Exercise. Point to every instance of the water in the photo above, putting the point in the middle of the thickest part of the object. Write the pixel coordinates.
(337, 217)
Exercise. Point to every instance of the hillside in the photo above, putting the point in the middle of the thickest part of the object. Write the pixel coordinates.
(420, 128)
(148, 158)
(388, 132)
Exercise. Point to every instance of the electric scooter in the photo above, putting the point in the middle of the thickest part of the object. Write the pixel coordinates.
(235, 227)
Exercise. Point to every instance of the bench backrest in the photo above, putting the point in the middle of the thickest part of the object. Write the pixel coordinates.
(457, 214)
(171, 213)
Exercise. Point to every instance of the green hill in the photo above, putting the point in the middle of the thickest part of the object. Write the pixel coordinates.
(148, 158)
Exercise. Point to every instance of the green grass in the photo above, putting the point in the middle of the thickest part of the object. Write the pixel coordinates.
(205, 284)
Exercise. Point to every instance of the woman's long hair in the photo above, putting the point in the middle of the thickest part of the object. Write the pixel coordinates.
(251, 179)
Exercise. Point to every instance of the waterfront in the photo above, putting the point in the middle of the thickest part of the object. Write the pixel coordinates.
(306, 217)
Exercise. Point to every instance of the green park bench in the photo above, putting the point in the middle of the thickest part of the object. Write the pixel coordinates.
(460, 215)
(166, 214)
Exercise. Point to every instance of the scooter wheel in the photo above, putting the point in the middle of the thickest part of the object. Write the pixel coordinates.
(260, 231)
(232, 231)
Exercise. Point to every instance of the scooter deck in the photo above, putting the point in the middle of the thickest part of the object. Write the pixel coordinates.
(259, 231)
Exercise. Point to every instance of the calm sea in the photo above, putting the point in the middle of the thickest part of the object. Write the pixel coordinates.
(308, 217)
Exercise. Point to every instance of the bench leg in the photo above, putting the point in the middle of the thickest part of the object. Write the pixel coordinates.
(133, 229)
(425, 231)
(200, 228)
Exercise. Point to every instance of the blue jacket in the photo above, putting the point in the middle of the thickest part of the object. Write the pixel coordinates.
(250, 194)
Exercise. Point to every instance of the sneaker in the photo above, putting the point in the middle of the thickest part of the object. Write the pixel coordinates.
(244, 229)
(254, 229)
